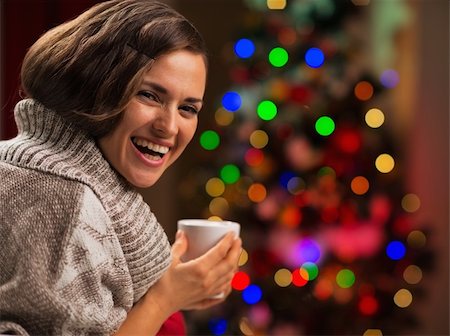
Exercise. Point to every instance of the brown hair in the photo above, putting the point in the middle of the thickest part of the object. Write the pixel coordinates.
(89, 68)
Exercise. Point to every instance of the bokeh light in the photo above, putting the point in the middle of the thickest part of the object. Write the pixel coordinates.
(209, 140)
(240, 281)
(259, 139)
(307, 249)
(230, 173)
(412, 274)
(395, 250)
(374, 118)
(244, 48)
(218, 326)
(371, 332)
(266, 110)
(219, 206)
(278, 57)
(363, 90)
(325, 126)
(416, 239)
(257, 192)
(231, 101)
(283, 277)
(403, 298)
(299, 277)
(296, 185)
(314, 57)
(359, 185)
(410, 203)
(276, 4)
(223, 117)
(323, 289)
(345, 278)
(311, 269)
(368, 305)
(214, 187)
(389, 78)
(384, 163)
(254, 157)
(252, 294)
(243, 258)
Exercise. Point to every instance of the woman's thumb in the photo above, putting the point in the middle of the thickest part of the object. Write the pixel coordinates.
(179, 247)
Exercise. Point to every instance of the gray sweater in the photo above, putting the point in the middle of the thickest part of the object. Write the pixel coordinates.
(79, 246)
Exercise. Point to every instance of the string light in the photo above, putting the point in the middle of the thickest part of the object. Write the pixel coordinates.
(403, 298)
(384, 163)
(283, 277)
(314, 57)
(325, 126)
(209, 140)
(374, 118)
(363, 90)
(267, 110)
(244, 48)
(345, 278)
(278, 57)
(410, 203)
(231, 101)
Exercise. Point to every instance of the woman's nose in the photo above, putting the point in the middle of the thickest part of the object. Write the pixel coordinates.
(165, 122)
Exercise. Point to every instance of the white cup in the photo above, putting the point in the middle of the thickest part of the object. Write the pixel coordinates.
(203, 234)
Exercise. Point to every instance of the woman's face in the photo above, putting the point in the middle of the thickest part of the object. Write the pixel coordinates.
(160, 119)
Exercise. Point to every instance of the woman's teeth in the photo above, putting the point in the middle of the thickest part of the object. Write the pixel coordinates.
(150, 150)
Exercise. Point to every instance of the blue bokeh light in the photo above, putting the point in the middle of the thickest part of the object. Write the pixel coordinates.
(231, 101)
(396, 250)
(389, 78)
(285, 177)
(314, 57)
(244, 48)
(218, 326)
(252, 294)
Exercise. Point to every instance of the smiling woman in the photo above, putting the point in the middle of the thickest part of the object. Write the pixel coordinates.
(113, 98)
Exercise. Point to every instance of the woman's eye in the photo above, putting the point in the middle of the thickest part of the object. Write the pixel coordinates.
(148, 95)
(190, 109)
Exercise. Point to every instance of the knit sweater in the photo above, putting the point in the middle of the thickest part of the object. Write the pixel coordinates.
(79, 246)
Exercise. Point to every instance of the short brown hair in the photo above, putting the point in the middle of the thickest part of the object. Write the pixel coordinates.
(88, 69)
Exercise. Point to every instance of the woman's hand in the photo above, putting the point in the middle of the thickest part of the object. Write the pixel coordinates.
(190, 285)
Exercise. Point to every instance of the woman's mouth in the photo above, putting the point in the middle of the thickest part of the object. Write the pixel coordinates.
(149, 149)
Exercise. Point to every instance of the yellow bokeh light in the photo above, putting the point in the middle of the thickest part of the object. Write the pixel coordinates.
(374, 118)
(245, 327)
(283, 277)
(219, 206)
(223, 117)
(373, 332)
(259, 139)
(215, 187)
(243, 258)
(416, 239)
(257, 192)
(276, 4)
(412, 274)
(403, 298)
(359, 185)
(384, 163)
(410, 203)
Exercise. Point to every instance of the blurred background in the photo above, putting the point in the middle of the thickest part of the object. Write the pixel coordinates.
(325, 134)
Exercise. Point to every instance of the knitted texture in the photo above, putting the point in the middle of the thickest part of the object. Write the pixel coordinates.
(79, 244)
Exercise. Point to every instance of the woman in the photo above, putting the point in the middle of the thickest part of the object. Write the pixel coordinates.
(113, 100)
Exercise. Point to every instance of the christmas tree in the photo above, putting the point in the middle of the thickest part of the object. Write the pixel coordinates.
(299, 153)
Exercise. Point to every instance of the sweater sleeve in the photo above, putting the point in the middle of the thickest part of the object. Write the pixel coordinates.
(63, 271)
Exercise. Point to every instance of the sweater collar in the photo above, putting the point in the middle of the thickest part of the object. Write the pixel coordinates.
(47, 142)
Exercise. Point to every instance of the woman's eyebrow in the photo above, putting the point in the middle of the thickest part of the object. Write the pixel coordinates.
(162, 90)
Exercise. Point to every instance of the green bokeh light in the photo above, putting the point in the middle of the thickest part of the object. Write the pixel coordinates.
(266, 110)
(312, 270)
(278, 57)
(230, 174)
(345, 278)
(209, 140)
(325, 126)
